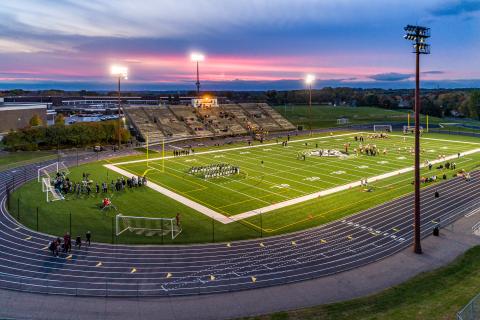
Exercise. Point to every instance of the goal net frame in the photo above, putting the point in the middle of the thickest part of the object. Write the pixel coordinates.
(45, 171)
(44, 176)
(161, 226)
(382, 128)
(411, 129)
(49, 189)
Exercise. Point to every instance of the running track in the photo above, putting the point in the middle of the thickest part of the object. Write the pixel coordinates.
(198, 269)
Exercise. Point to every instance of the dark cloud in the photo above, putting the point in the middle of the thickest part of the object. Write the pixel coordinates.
(433, 72)
(457, 7)
(390, 76)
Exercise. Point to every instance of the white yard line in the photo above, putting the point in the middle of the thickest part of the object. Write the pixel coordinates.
(226, 220)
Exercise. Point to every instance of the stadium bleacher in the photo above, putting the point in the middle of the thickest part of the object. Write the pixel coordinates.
(185, 121)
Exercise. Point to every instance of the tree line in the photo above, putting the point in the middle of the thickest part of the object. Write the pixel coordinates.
(62, 136)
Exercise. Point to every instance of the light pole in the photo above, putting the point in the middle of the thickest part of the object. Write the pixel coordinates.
(197, 57)
(309, 79)
(418, 35)
(119, 72)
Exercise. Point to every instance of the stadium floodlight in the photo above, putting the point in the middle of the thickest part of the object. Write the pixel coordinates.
(418, 35)
(309, 79)
(197, 57)
(120, 72)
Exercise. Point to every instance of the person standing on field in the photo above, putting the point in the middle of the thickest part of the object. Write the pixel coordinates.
(88, 237)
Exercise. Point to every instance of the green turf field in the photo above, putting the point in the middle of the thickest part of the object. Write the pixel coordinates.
(326, 116)
(258, 186)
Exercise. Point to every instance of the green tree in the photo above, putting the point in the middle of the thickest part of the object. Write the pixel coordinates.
(60, 119)
(35, 121)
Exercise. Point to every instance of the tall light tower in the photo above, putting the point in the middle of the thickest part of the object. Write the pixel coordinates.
(309, 79)
(119, 72)
(418, 35)
(197, 57)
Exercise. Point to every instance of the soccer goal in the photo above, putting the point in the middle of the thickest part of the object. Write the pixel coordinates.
(51, 169)
(49, 190)
(147, 226)
(411, 129)
(382, 128)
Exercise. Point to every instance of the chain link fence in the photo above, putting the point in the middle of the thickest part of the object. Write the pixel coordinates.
(471, 311)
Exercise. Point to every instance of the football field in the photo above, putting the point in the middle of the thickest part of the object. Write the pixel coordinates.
(273, 175)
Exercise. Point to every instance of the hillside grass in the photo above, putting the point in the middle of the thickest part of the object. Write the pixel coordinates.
(434, 295)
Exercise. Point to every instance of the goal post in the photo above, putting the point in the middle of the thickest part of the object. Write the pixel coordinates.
(382, 128)
(53, 168)
(411, 129)
(147, 226)
(50, 193)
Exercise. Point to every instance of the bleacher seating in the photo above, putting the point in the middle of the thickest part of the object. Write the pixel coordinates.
(187, 114)
(262, 118)
(167, 122)
(143, 124)
(277, 117)
(184, 121)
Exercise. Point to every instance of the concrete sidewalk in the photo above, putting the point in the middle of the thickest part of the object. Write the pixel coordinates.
(438, 251)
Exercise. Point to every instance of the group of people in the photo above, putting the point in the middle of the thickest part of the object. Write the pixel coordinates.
(86, 186)
(183, 152)
(369, 150)
(65, 245)
(359, 138)
(215, 170)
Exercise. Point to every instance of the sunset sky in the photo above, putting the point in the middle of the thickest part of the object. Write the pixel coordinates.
(249, 44)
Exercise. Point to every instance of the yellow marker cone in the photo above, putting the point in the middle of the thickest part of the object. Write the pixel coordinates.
(229, 245)
(169, 275)
(212, 277)
(294, 243)
(350, 238)
(69, 257)
(254, 279)
(133, 270)
(395, 229)
(99, 264)
(28, 238)
(323, 241)
(262, 245)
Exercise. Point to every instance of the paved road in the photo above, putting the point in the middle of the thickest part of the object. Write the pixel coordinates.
(211, 268)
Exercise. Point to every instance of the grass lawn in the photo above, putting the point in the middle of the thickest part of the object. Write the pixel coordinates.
(20, 158)
(435, 295)
(326, 116)
(281, 177)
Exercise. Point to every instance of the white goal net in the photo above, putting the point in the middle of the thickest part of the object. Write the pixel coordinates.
(411, 129)
(50, 192)
(51, 170)
(382, 128)
(147, 226)
(47, 176)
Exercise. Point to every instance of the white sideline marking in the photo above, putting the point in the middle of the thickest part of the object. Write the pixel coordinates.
(240, 148)
(226, 220)
(175, 196)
